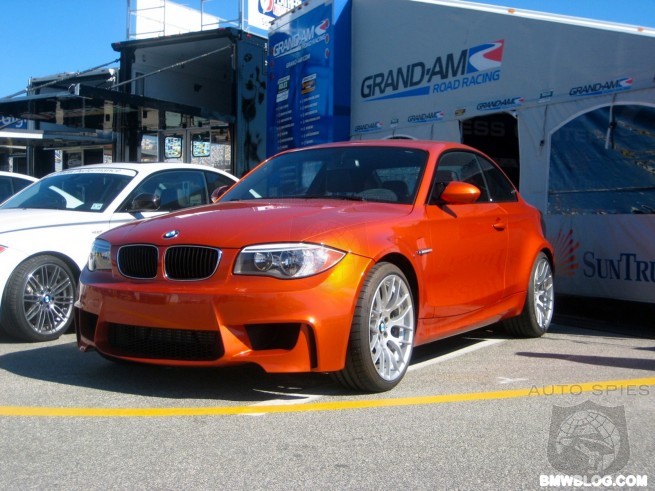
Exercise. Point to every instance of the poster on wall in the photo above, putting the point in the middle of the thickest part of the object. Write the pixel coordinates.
(301, 93)
(604, 256)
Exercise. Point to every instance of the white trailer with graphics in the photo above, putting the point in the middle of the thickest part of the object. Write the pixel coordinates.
(565, 105)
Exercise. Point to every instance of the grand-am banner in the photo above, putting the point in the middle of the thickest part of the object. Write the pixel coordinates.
(424, 62)
(303, 102)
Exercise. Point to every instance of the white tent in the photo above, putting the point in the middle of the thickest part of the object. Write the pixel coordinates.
(581, 94)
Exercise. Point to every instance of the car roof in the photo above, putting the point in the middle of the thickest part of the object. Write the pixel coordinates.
(428, 145)
(20, 176)
(142, 167)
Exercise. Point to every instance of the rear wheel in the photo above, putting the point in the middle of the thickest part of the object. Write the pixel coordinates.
(537, 313)
(382, 332)
(38, 301)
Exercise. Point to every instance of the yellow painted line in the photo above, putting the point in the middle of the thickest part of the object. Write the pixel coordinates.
(534, 391)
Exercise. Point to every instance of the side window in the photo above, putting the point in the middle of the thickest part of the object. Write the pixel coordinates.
(176, 189)
(460, 166)
(215, 181)
(20, 184)
(500, 187)
(5, 188)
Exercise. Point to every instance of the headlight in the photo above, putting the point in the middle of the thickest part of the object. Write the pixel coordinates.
(286, 260)
(100, 257)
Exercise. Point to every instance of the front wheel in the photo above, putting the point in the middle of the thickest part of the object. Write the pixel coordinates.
(537, 313)
(382, 332)
(38, 301)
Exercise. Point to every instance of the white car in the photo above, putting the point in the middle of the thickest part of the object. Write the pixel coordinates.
(12, 182)
(47, 229)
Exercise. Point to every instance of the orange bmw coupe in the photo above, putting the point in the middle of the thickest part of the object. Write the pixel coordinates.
(336, 258)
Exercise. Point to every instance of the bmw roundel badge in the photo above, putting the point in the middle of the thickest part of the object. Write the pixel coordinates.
(171, 234)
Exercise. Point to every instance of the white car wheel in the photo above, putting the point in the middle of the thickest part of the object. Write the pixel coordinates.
(39, 298)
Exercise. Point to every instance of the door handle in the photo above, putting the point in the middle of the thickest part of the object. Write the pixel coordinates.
(500, 224)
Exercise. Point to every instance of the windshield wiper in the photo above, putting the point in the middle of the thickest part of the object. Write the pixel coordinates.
(343, 197)
(346, 197)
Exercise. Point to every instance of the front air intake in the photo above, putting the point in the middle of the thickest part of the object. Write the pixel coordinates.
(170, 344)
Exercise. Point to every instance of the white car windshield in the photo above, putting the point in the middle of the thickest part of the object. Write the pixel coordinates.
(79, 191)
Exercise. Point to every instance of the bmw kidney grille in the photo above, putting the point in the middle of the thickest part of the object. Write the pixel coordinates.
(181, 263)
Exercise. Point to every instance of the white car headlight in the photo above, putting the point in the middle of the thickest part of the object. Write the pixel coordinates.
(287, 260)
(100, 256)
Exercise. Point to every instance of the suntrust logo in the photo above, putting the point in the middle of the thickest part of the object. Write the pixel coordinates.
(627, 267)
(451, 71)
(566, 248)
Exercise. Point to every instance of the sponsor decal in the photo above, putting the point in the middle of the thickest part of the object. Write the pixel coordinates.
(302, 39)
(626, 267)
(308, 84)
(276, 8)
(598, 88)
(470, 67)
(368, 127)
(10, 122)
(500, 104)
(426, 117)
(566, 248)
(546, 95)
(283, 89)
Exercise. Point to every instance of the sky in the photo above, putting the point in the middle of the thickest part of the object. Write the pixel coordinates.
(45, 37)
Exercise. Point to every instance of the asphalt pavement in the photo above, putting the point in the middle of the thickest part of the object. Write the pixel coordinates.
(480, 411)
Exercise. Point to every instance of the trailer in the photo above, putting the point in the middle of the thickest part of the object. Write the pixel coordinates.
(565, 105)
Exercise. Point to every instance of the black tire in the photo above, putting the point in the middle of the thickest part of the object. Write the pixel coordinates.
(38, 299)
(382, 332)
(534, 320)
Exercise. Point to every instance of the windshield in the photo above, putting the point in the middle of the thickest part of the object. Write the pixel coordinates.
(366, 173)
(80, 191)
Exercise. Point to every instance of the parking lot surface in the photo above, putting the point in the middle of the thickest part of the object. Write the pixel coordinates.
(480, 411)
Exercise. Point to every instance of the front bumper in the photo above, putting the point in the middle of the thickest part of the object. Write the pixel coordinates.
(298, 325)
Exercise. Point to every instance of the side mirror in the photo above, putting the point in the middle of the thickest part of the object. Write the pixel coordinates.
(459, 193)
(145, 202)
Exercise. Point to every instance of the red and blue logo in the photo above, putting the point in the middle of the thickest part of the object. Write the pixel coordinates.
(322, 27)
(485, 57)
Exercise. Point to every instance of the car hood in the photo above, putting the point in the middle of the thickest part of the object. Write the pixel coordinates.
(238, 224)
(22, 219)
